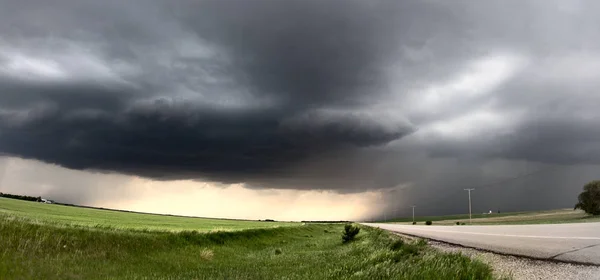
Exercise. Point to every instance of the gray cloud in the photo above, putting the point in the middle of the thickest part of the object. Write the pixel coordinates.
(215, 93)
(342, 95)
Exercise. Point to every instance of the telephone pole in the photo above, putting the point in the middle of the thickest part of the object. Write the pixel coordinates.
(469, 190)
(413, 207)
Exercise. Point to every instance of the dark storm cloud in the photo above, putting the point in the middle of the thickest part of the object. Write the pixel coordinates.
(179, 140)
(344, 95)
(314, 52)
(205, 90)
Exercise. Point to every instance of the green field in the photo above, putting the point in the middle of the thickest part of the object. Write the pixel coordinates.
(33, 248)
(534, 217)
(88, 217)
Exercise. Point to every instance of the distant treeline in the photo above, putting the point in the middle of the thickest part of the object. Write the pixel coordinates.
(327, 222)
(21, 197)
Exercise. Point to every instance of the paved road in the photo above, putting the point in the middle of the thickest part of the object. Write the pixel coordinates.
(564, 242)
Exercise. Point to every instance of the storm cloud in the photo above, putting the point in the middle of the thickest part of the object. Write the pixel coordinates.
(331, 95)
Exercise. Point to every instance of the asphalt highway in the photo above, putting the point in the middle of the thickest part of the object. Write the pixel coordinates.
(578, 243)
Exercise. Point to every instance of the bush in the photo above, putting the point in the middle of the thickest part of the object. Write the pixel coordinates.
(462, 224)
(414, 223)
(589, 199)
(458, 223)
(397, 245)
(428, 223)
(349, 233)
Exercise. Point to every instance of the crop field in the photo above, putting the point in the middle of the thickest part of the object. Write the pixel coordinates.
(88, 217)
(534, 217)
(40, 241)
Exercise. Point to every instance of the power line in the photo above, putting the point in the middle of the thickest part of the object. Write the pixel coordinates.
(491, 184)
(488, 185)
(469, 190)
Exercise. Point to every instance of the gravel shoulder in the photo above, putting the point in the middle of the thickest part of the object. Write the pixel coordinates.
(523, 268)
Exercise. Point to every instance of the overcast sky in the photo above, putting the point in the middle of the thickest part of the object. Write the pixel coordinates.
(300, 109)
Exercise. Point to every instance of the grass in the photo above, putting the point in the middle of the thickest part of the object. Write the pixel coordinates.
(87, 217)
(39, 241)
(516, 218)
(313, 251)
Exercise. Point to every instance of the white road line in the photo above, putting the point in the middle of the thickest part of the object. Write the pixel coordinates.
(497, 234)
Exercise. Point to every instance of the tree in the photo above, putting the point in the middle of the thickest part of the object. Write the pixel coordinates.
(589, 199)
(349, 233)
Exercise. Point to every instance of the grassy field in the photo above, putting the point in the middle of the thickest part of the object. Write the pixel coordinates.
(32, 249)
(315, 251)
(59, 214)
(536, 217)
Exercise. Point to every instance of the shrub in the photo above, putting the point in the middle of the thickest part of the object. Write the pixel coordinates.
(428, 223)
(414, 223)
(462, 224)
(458, 223)
(397, 245)
(589, 199)
(349, 233)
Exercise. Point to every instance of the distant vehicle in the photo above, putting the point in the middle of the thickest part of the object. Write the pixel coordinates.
(48, 201)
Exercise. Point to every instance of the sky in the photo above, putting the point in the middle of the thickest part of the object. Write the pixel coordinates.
(300, 110)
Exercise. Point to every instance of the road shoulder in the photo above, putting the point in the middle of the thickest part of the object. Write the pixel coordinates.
(523, 268)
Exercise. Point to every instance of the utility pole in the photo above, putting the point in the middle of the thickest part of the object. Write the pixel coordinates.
(413, 207)
(469, 190)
